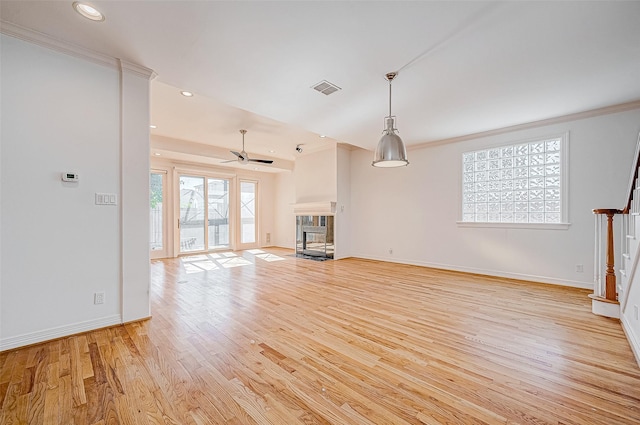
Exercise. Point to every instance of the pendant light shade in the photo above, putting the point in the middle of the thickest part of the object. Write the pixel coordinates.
(390, 151)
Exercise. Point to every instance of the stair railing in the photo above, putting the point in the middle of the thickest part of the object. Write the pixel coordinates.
(607, 289)
(633, 188)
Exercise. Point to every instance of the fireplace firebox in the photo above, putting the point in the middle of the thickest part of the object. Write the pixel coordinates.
(314, 236)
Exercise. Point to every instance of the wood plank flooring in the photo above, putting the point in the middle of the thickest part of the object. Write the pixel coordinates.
(266, 338)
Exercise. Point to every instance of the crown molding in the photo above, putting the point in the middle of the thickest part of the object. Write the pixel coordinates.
(612, 109)
(347, 146)
(49, 42)
(136, 69)
(52, 43)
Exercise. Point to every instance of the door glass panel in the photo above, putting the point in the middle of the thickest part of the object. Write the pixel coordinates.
(218, 213)
(248, 212)
(192, 214)
(155, 202)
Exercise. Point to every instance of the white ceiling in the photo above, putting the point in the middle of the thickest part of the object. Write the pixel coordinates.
(465, 67)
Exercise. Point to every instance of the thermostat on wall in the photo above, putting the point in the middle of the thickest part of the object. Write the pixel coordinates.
(70, 177)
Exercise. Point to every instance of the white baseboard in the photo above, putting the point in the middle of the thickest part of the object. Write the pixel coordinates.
(59, 332)
(634, 342)
(496, 273)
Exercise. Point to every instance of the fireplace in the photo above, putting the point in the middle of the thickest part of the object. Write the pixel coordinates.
(314, 236)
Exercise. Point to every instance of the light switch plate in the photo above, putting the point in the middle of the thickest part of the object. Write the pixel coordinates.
(106, 199)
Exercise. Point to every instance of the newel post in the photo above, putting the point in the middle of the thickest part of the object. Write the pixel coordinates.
(610, 277)
(610, 283)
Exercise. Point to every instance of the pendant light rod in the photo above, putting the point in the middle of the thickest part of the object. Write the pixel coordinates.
(390, 76)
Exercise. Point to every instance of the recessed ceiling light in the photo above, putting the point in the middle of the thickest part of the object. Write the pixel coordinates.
(272, 151)
(153, 126)
(88, 11)
(255, 168)
(322, 136)
(157, 154)
(186, 93)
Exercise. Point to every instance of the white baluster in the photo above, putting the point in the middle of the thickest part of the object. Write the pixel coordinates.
(597, 287)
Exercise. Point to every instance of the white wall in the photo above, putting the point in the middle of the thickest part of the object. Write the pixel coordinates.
(134, 192)
(316, 176)
(630, 321)
(343, 207)
(59, 114)
(413, 210)
(284, 220)
(267, 207)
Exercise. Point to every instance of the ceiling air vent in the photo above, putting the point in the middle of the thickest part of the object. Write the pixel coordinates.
(326, 87)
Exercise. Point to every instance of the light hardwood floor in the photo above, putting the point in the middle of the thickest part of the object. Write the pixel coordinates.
(295, 341)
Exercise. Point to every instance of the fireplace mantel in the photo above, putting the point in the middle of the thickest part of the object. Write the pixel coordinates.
(315, 208)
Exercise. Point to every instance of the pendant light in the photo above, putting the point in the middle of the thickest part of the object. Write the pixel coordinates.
(390, 151)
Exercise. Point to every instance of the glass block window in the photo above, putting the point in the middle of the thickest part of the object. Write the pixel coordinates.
(514, 184)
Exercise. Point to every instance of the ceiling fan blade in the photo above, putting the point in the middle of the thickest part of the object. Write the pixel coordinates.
(242, 156)
(262, 161)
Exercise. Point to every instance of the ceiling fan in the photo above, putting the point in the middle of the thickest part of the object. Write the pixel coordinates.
(243, 157)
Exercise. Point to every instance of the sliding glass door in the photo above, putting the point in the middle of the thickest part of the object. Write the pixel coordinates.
(192, 214)
(218, 206)
(204, 213)
(248, 209)
(158, 214)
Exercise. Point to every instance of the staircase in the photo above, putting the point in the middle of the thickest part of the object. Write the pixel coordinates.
(612, 297)
(630, 254)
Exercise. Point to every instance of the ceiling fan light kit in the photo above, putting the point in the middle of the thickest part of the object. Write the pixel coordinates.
(390, 151)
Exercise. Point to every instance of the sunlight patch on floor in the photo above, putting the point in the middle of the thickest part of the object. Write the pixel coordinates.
(206, 265)
(269, 257)
(200, 266)
(206, 262)
(194, 258)
(234, 262)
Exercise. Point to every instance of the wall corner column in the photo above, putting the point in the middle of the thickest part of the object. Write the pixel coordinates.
(134, 190)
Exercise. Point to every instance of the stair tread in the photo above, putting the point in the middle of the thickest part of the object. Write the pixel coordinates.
(602, 299)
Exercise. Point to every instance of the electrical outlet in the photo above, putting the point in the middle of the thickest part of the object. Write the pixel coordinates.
(579, 268)
(635, 312)
(390, 250)
(268, 237)
(98, 298)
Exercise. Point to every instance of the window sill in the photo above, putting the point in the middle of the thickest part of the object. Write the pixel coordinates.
(536, 226)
